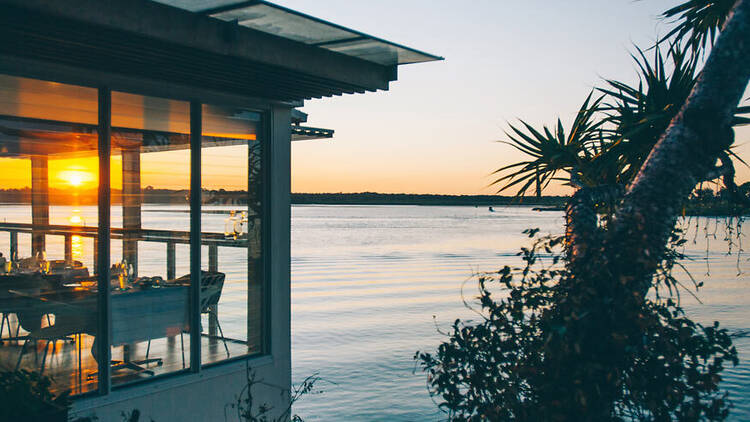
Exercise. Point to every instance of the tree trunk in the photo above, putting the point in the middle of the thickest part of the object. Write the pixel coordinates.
(687, 151)
(612, 270)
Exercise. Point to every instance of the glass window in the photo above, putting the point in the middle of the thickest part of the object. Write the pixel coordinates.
(150, 250)
(49, 234)
(231, 286)
(48, 228)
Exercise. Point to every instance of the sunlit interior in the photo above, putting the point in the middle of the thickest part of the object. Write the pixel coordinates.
(49, 197)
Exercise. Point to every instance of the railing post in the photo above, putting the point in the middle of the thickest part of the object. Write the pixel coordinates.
(213, 258)
(68, 248)
(213, 266)
(96, 254)
(171, 261)
(14, 246)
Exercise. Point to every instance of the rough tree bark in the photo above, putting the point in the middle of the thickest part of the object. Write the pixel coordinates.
(611, 270)
(685, 155)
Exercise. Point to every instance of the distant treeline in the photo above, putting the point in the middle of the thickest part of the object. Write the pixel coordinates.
(149, 195)
(701, 202)
(372, 198)
(706, 202)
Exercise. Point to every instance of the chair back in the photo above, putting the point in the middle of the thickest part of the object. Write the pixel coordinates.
(211, 285)
(212, 282)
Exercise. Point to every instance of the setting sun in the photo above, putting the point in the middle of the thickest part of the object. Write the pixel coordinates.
(75, 178)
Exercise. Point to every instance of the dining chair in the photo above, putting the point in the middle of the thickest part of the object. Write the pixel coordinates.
(212, 283)
(66, 325)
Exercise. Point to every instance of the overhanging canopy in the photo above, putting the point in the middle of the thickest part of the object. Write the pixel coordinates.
(250, 49)
(287, 23)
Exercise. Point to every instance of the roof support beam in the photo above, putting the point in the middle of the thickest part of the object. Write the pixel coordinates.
(176, 26)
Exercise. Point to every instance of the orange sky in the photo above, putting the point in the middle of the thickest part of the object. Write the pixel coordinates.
(436, 129)
(223, 167)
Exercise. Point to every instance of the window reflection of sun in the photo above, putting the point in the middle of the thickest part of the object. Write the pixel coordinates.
(77, 247)
(76, 178)
(75, 240)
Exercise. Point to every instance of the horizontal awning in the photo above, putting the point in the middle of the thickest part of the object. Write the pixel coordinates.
(290, 24)
(279, 56)
(303, 133)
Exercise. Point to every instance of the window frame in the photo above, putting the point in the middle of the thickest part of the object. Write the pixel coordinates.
(105, 84)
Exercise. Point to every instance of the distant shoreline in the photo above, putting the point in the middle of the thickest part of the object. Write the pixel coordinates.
(371, 198)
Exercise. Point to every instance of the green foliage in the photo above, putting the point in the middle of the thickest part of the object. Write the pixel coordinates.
(611, 136)
(698, 21)
(596, 332)
(640, 115)
(26, 395)
(553, 151)
(642, 360)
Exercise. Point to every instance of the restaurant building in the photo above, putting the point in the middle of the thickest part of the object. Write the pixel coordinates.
(144, 192)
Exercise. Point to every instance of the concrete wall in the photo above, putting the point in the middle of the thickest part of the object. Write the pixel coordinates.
(206, 396)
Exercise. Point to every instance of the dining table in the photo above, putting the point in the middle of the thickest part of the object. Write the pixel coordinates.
(139, 312)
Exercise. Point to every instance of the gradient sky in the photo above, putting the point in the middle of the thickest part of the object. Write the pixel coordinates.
(435, 130)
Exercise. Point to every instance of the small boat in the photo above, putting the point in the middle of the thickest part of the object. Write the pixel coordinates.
(492, 209)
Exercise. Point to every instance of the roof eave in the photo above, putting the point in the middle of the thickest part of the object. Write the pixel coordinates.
(174, 25)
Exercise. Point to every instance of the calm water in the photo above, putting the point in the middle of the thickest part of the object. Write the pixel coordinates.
(367, 281)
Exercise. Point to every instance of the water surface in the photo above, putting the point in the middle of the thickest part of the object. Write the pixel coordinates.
(371, 285)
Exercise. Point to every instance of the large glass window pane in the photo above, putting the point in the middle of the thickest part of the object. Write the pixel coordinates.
(232, 277)
(150, 179)
(48, 229)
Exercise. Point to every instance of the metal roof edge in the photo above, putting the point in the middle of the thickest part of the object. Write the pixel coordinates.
(238, 5)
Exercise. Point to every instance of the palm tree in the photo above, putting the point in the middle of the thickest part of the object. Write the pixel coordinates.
(698, 22)
(611, 136)
(587, 342)
(554, 151)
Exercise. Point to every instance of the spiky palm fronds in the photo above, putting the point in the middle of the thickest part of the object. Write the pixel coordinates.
(699, 21)
(612, 137)
(640, 115)
(552, 151)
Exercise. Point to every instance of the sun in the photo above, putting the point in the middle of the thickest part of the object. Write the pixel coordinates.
(76, 178)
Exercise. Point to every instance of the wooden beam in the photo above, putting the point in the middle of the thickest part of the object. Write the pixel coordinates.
(131, 205)
(39, 201)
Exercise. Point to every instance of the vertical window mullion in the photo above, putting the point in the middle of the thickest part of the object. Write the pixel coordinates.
(104, 311)
(196, 133)
(267, 324)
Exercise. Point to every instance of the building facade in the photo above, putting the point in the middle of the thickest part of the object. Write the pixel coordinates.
(144, 192)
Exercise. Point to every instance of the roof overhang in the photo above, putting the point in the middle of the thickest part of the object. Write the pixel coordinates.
(304, 133)
(273, 19)
(149, 40)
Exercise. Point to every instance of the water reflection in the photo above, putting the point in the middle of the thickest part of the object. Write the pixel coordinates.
(77, 241)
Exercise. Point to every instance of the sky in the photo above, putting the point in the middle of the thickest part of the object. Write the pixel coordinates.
(436, 129)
